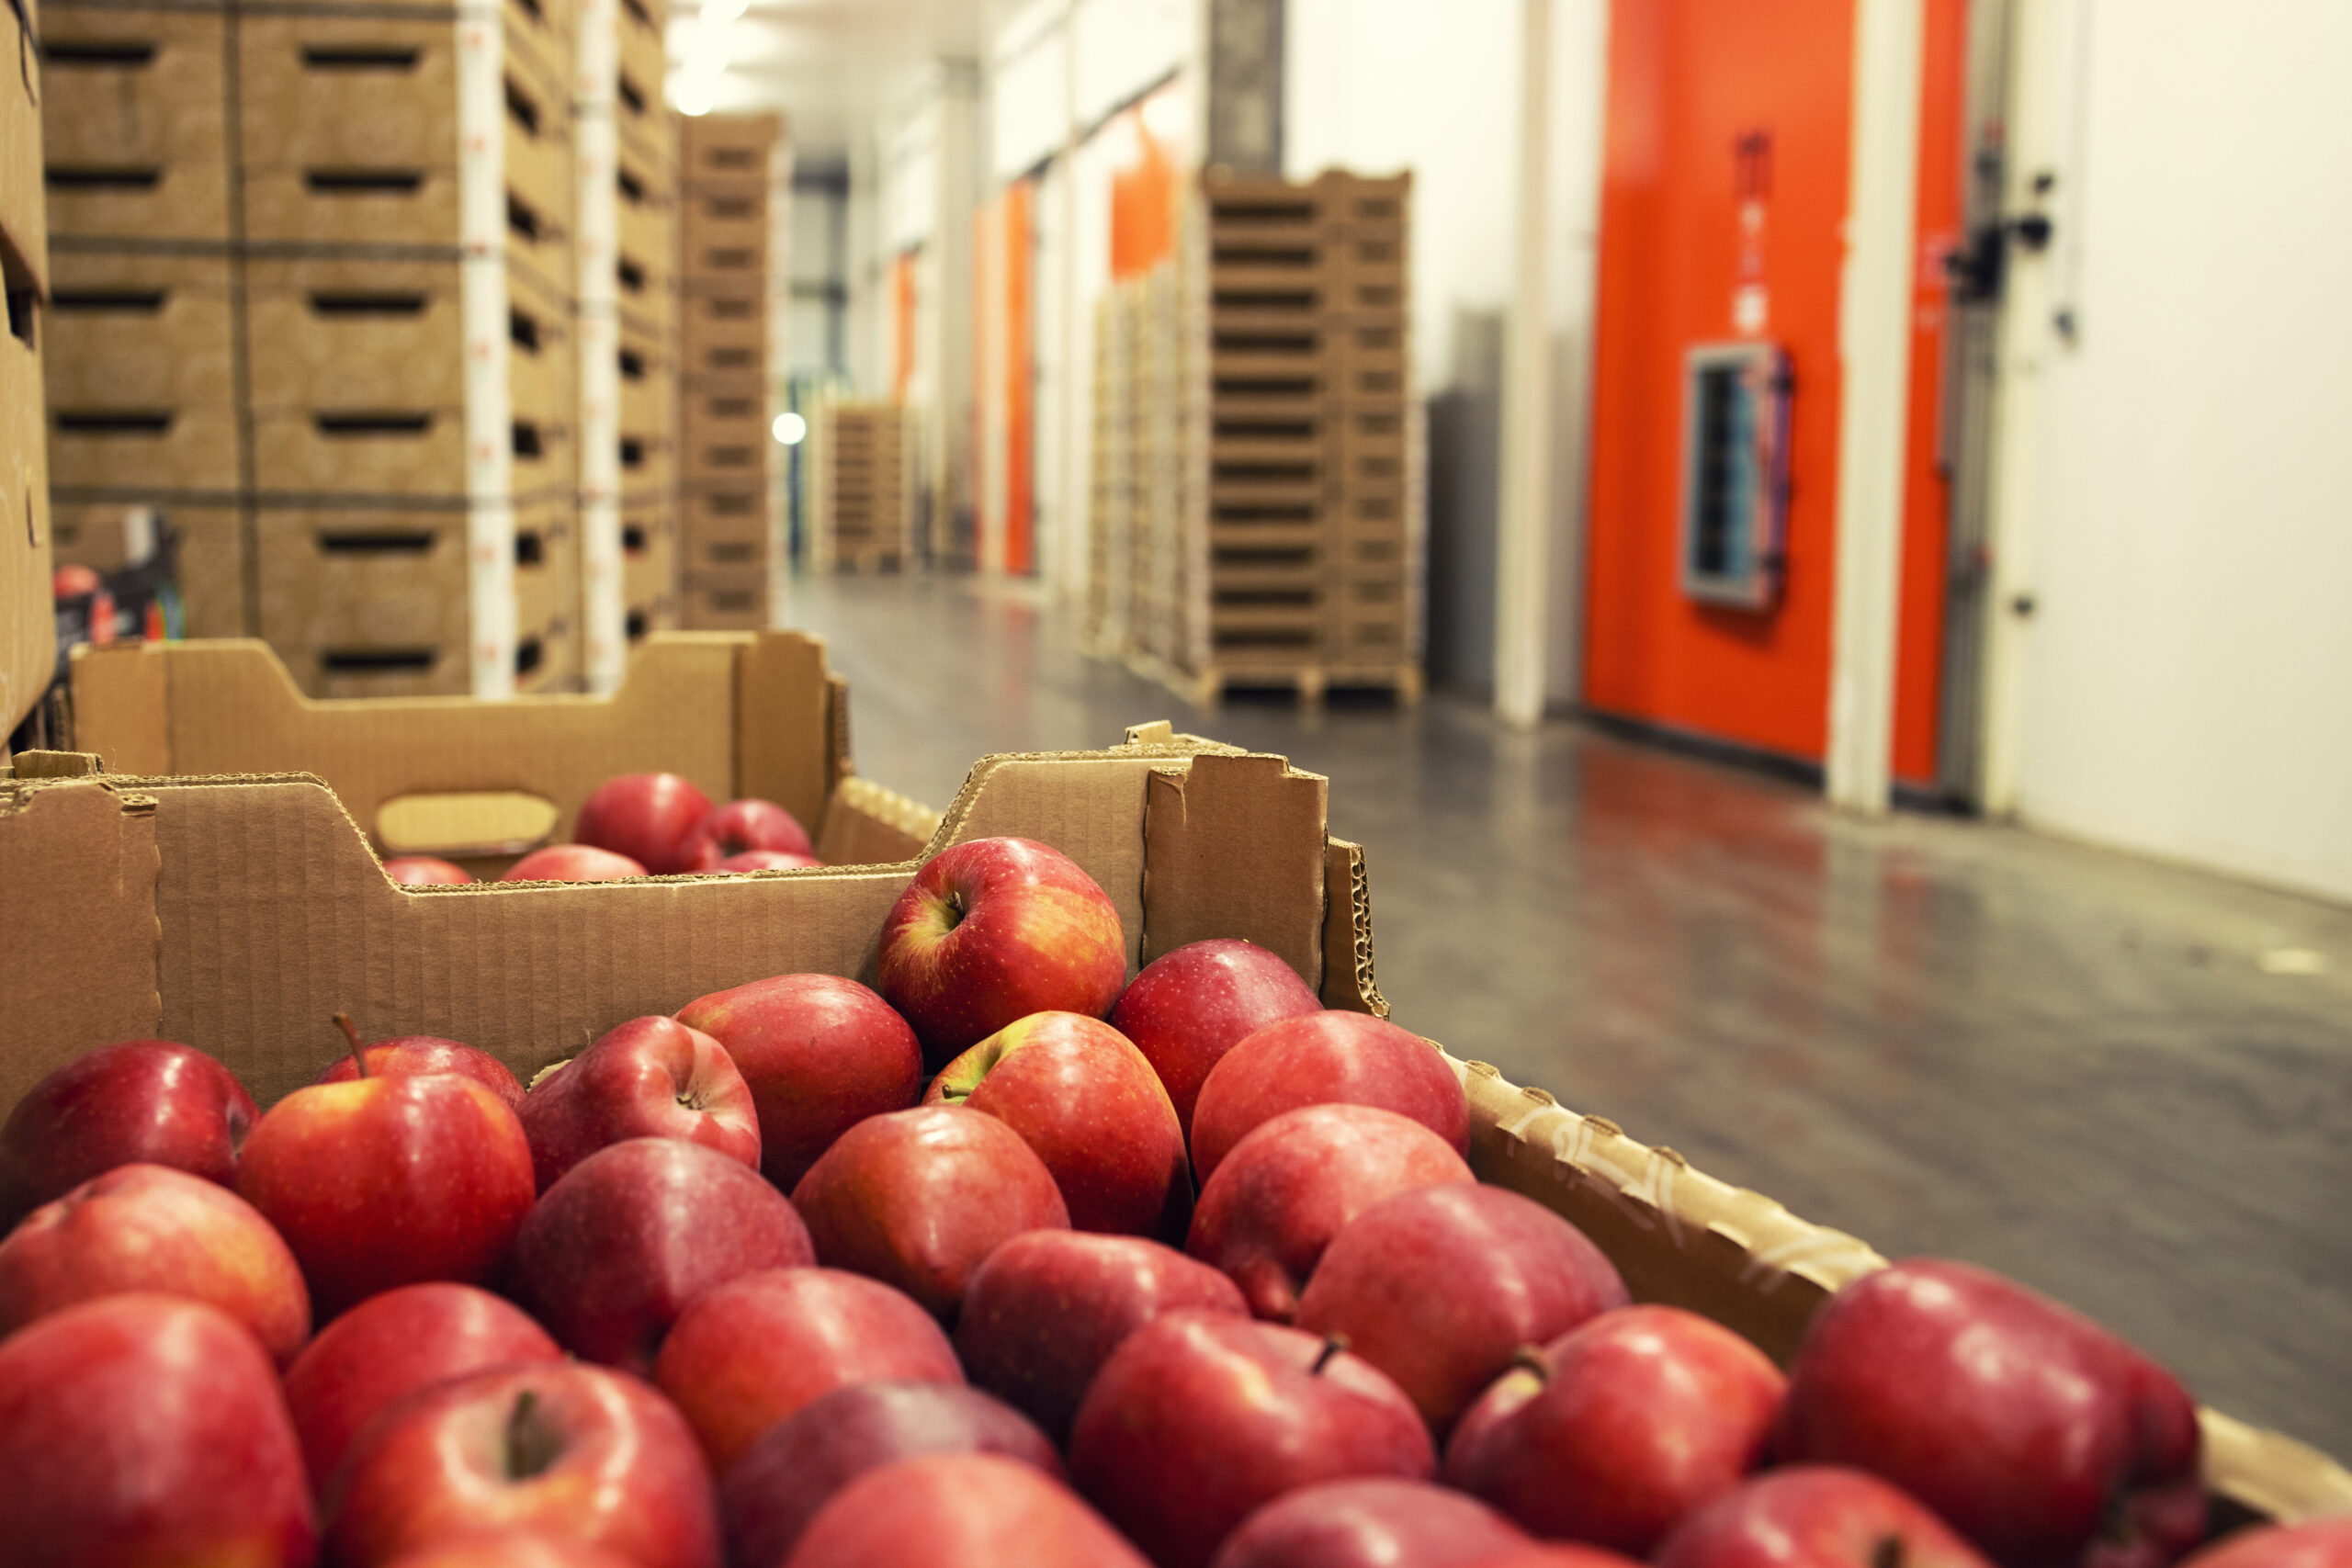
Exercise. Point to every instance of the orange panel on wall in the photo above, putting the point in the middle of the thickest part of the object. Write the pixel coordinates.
(1019, 519)
(902, 325)
(1144, 186)
(1724, 198)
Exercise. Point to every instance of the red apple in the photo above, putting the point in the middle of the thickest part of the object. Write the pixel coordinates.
(1090, 1106)
(917, 1198)
(148, 1102)
(1553, 1554)
(647, 817)
(415, 1055)
(767, 860)
(2325, 1543)
(1045, 1311)
(616, 1249)
(572, 863)
(993, 929)
(959, 1511)
(149, 1227)
(740, 827)
(425, 871)
(1189, 1007)
(146, 1430)
(1376, 1522)
(1290, 1186)
(1815, 1516)
(1515, 1274)
(1201, 1417)
(390, 1182)
(388, 1347)
(508, 1548)
(769, 1496)
(567, 1449)
(650, 1078)
(2078, 1448)
(1616, 1432)
(1325, 1058)
(820, 1053)
(746, 1354)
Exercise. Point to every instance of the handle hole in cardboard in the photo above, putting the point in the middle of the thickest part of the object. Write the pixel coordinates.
(528, 656)
(521, 218)
(111, 301)
(122, 55)
(522, 108)
(631, 275)
(530, 549)
(632, 364)
(632, 189)
(631, 96)
(363, 182)
(638, 13)
(378, 661)
(360, 425)
(377, 542)
(522, 331)
(632, 452)
(369, 302)
(360, 57)
(638, 625)
(632, 539)
(94, 176)
(114, 422)
(528, 443)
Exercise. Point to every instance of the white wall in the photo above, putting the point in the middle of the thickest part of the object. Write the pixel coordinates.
(2187, 670)
(1377, 86)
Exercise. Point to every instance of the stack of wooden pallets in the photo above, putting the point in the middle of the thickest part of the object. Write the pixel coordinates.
(862, 481)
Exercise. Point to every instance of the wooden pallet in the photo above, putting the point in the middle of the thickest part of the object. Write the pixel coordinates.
(1311, 681)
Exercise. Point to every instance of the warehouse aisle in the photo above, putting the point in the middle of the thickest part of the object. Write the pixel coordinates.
(1947, 1038)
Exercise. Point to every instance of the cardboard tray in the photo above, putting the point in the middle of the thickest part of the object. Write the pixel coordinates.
(236, 914)
(482, 782)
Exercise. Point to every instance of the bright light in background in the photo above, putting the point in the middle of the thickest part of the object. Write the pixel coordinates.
(706, 55)
(789, 428)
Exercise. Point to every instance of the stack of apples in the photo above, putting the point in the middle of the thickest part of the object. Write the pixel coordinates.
(645, 825)
(1012, 1263)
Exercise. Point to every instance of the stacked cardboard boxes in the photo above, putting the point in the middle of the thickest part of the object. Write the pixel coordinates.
(861, 477)
(1272, 534)
(315, 277)
(646, 181)
(731, 195)
(28, 639)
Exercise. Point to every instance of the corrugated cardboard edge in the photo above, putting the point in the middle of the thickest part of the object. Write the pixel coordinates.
(96, 950)
(1683, 1237)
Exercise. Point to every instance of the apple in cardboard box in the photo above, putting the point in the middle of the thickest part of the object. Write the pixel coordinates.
(916, 1198)
(959, 1511)
(1440, 1286)
(150, 1102)
(149, 1227)
(616, 1249)
(415, 1057)
(647, 817)
(2323, 1543)
(1045, 1311)
(572, 863)
(380, 1182)
(388, 1347)
(1086, 1100)
(650, 1078)
(1811, 1515)
(993, 929)
(1617, 1431)
(558, 1446)
(743, 826)
(1325, 1058)
(1200, 1417)
(1371, 1522)
(1294, 1182)
(785, 1478)
(820, 1055)
(1189, 1007)
(145, 1428)
(746, 1354)
(508, 1548)
(425, 871)
(2078, 1449)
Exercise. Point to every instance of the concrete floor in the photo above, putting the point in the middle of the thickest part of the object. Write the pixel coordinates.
(1947, 1038)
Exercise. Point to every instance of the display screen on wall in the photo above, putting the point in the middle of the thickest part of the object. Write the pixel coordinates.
(1734, 473)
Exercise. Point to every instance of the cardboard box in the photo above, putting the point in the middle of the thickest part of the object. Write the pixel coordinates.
(178, 912)
(28, 632)
(24, 230)
(129, 92)
(140, 331)
(726, 234)
(643, 66)
(738, 714)
(729, 152)
(729, 599)
(183, 446)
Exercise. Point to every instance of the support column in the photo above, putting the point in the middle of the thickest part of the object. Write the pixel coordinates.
(1522, 566)
(1874, 350)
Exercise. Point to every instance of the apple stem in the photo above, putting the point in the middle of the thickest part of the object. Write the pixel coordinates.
(1530, 1358)
(351, 1034)
(1888, 1552)
(530, 1446)
(955, 910)
(1333, 1345)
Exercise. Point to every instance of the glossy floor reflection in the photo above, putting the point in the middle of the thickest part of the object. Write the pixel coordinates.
(1944, 1037)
